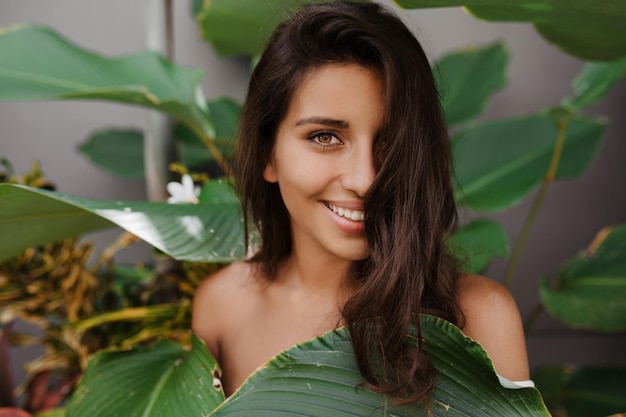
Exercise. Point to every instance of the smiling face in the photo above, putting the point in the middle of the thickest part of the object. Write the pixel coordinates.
(323, 162)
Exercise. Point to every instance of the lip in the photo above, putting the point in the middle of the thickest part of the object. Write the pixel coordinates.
(344, 224)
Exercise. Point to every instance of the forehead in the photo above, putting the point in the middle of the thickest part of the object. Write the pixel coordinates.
(338, 90)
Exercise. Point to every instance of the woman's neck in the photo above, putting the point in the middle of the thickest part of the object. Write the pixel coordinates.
(317, 274)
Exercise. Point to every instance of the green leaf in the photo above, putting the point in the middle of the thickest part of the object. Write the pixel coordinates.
(467, 78)
(225, 114)
(241, 27)
(595, 81)
(317, 378)
(31, 216)
(38, 64)
(119, 152)
(596, 391)
(160, 381)
(196, 6)
(126, 279)
(218, 192)
(477, 243)
(321, 378)
(590, 291)
(590, 30)
(498, 163)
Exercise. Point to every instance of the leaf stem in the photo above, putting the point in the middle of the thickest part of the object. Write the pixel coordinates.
(563, 118)
(135, 313)
(219, 158)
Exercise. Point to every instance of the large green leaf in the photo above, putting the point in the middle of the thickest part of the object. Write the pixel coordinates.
(590, 291)
(225, 115)
(477, 243)
(241, 27)
(317, 378)
(164, 380)
(595, 81)
(467, 78)
(38, 64)
(596, 391)
(204, 232)
(592, 30)
(321, 378)
(119, 152)
(498, 163)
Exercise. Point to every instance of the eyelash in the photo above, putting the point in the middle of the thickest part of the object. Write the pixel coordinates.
(314, 139)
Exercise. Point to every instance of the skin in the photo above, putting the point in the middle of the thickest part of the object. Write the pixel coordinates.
(322, 161)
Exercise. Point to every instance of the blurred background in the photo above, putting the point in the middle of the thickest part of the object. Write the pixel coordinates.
(540, 76)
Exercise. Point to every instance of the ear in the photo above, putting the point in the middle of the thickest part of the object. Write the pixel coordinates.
(269, 173)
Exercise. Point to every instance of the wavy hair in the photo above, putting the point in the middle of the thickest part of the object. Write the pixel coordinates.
(410, 204)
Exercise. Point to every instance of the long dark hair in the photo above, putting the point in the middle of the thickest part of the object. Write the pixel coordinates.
(409, 208)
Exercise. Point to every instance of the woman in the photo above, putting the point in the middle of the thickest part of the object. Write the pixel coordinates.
(343, 164)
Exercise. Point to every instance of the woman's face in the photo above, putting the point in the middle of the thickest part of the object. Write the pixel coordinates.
(322, 159)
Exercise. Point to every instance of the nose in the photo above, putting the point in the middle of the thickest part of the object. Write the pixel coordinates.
(359, 170)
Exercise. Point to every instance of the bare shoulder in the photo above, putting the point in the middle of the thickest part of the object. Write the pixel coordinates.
(493, 320)
(218, 301)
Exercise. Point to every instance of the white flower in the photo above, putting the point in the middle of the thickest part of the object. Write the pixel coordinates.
(183, 191)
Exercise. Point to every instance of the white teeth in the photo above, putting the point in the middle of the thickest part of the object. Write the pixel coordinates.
(354, 215)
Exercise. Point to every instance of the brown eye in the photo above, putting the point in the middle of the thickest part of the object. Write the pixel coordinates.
(324, 139)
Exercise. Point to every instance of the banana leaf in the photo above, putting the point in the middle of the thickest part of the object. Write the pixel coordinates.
(317, 378)
(209, 232)
(592, 30)
(38, 64)
(241, 27)
(161, 380)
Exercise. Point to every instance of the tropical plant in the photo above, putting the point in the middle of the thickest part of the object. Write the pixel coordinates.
(531, 150)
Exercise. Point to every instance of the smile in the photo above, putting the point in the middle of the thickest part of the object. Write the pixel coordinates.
(354, 215)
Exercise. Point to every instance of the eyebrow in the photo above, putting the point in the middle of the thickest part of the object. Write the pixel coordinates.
(322, 121)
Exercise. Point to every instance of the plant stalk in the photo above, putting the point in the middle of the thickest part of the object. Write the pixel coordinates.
(135, 313)
(563, 121)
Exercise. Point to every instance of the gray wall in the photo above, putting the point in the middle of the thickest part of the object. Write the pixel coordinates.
(540, 76)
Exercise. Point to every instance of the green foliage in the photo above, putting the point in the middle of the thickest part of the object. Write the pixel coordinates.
(241, 27)
(32, 216)
(467, 79)
(498, 163)
(38, 64)
(119, 152)
(225, 114)
(155, 381)
(590, 30)
(596, 391)
(595, 81)
(477, 242)
(166, 380)
(590, 291)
